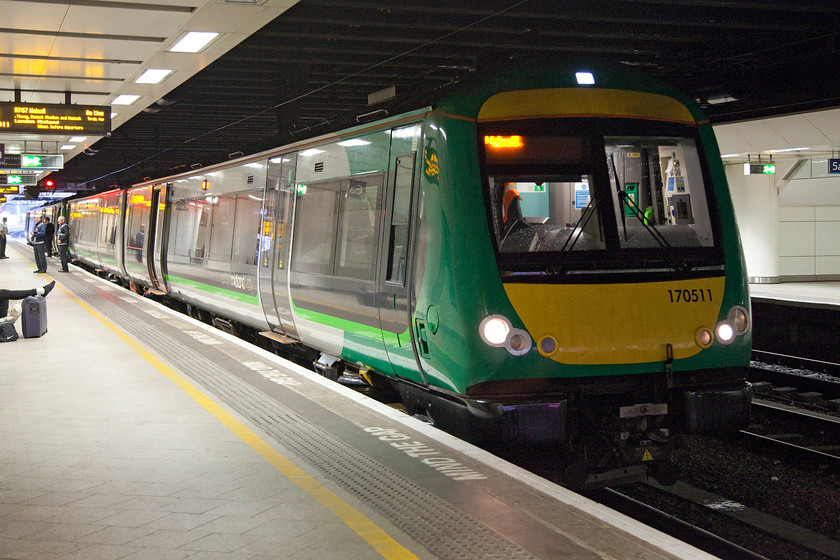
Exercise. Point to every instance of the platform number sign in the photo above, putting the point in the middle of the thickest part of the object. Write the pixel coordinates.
(834, 166)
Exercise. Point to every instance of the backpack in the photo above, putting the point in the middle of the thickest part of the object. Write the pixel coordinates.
(8, 332)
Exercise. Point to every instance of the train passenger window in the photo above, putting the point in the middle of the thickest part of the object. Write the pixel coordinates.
(315, 223)
(247, 227)
(357, 232)
(398, 245)
(658, 192)
(221, 228)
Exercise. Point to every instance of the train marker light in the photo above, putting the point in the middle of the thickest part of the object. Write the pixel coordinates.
(739, 319)
(585, 78)
(703, 337)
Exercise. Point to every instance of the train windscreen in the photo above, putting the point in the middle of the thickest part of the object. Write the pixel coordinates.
(627, 194)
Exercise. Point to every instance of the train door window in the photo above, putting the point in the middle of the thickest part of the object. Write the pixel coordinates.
(138, 217)
(315, 219)
(285, 207)
(658, 192)
(246, 234)
(203, 208)
(357, 232)
(398, 244)
(221, 227)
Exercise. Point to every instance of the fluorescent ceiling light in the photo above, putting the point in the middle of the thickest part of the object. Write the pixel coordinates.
(194, 41)
(125, 99)
(787, 150)
(68, 147)
(730, 155)
(353, 142)
(114, 115)
(153, 76)
(78, 139)
(585, 78)
(311, 152)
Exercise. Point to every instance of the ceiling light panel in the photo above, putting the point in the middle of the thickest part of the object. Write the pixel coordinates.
(153, 76)
(194, 41)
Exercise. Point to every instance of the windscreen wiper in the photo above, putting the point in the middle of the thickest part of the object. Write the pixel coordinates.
(557, 266)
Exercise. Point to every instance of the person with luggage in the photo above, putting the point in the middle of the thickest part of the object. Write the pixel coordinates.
(39, 235)
(4, 232)
(62, 241)
(6, 295)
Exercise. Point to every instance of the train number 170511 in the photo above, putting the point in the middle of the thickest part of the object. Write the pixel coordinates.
(690, 296)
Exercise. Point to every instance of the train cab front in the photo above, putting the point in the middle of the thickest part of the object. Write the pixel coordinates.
(626, 301)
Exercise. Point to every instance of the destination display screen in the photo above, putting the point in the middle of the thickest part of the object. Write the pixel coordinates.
(52, 118)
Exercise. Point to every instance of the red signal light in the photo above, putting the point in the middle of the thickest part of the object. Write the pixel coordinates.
(49, 183)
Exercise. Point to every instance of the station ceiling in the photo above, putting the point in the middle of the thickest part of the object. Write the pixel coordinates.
(314, 62)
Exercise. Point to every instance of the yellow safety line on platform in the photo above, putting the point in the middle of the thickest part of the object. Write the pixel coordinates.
(353, 518)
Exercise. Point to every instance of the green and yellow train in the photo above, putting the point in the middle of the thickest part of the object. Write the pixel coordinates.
(547, 254)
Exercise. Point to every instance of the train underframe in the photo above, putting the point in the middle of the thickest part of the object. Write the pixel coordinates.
(604, 432)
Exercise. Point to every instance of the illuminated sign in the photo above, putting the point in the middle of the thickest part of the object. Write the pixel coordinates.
(9, 190)
(53, 118)
(504, 141)
(33, 161)
(759, 169)
(833, 166)
(2, 199)
(18, 180)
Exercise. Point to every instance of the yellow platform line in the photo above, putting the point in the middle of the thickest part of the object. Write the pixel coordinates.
(350, 516)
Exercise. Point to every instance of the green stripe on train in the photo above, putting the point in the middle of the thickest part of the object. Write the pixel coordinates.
(217, 290)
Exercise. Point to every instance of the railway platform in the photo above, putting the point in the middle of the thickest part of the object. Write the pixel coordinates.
(132, 431)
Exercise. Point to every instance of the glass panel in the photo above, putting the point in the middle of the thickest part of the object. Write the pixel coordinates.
(658, 192)
(556, 214)
(247, 232)
(357, 232)
(398, 248)
(315, 229)
(138, 217)
(190, 235)
(221, 228)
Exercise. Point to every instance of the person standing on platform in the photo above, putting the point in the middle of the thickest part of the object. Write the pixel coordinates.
(63, 240)
(48, 240)
(4, 232)
(39, 235)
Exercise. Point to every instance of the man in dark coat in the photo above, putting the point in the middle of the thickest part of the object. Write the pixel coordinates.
(48, 241)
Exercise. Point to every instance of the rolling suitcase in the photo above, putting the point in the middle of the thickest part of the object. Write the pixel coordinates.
(34, 316)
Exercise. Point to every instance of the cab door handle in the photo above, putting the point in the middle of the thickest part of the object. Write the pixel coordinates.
(422, 340)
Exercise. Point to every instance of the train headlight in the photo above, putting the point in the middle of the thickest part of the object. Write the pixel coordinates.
(725, 333)
(494, 330)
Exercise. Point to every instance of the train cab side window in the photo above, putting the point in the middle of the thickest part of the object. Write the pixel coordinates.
(401, 211)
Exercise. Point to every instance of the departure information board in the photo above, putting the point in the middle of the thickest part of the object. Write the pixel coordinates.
(52, 118)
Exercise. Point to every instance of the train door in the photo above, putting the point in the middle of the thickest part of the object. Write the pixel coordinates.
(156, 239)
(273, 247)
(393, 285)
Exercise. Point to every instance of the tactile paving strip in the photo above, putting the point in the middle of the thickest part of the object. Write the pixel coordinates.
(445, 531)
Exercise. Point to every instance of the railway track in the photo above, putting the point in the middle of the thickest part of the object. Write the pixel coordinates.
(799, 436)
